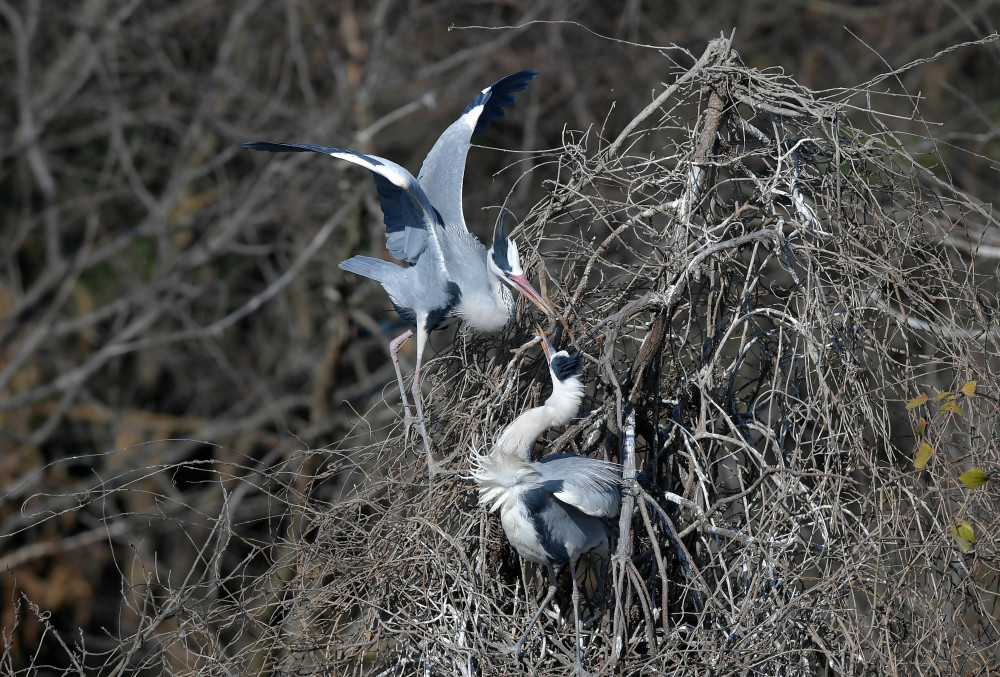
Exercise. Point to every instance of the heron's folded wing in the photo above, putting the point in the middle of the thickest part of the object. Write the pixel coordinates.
(591, 485)
(411, 222)
(443, 171)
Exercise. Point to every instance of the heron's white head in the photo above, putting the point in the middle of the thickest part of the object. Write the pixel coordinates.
(567, 388)
(519, 437)
(504, 262)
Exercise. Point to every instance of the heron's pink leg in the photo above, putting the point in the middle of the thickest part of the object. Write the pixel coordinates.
(432, 467)
(394, 347)
(576, 618)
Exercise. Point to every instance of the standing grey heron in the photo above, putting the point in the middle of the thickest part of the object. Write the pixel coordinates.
(451, 274)
(553, 510)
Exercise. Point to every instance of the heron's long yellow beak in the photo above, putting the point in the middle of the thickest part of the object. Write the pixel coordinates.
(524, 286)
(546, 346)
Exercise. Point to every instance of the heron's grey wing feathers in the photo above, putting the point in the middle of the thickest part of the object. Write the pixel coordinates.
(375, 269)
(466, 257)
(411, 222)
(443, 171)
(590, 485)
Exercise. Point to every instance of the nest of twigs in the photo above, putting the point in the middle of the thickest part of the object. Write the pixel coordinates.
(760, 293)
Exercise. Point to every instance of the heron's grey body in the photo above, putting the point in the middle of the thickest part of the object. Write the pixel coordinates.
(451, 275)
(565, 516)
(553, 510)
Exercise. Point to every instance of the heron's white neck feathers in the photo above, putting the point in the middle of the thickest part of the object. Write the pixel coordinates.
(564, 402)
(558, 410)
(489, 310)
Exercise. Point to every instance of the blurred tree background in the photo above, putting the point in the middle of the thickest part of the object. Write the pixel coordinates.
(158, 282)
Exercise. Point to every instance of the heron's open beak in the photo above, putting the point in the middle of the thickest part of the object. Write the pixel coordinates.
(522, 284)
(546, 346)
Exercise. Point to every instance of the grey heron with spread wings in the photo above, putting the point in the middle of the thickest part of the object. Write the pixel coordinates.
(451, 275)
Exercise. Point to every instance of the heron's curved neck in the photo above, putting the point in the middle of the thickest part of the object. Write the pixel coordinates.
(562, 405)
(488, 311)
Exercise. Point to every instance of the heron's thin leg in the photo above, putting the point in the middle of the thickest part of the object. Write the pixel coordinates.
(417, 400)
(600, 602)
(394, 347)
(578, 666)
(541, 607)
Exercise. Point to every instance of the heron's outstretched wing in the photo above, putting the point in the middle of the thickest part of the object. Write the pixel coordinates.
(591, 485)
(443, 170)
(411, 222)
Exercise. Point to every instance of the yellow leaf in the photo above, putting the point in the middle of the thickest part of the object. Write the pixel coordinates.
(941, 396)
(923, 455)
(964, 535)
(951, 406)
(969, 389)
(921, 427)
(974, 478)
(917, 401)
(964, 529)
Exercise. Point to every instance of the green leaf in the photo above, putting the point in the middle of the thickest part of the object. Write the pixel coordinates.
(941, 396)
(964, 535)
(974, 478)
(923, 455)
(969, 389)
(917, 401)
(921, 427)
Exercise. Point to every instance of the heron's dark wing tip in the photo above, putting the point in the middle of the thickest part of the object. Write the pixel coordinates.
(296, 148)
(274, 147)
(501, 94)
(521, 76)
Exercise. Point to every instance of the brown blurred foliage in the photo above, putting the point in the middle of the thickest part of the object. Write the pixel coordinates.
(174, 331)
